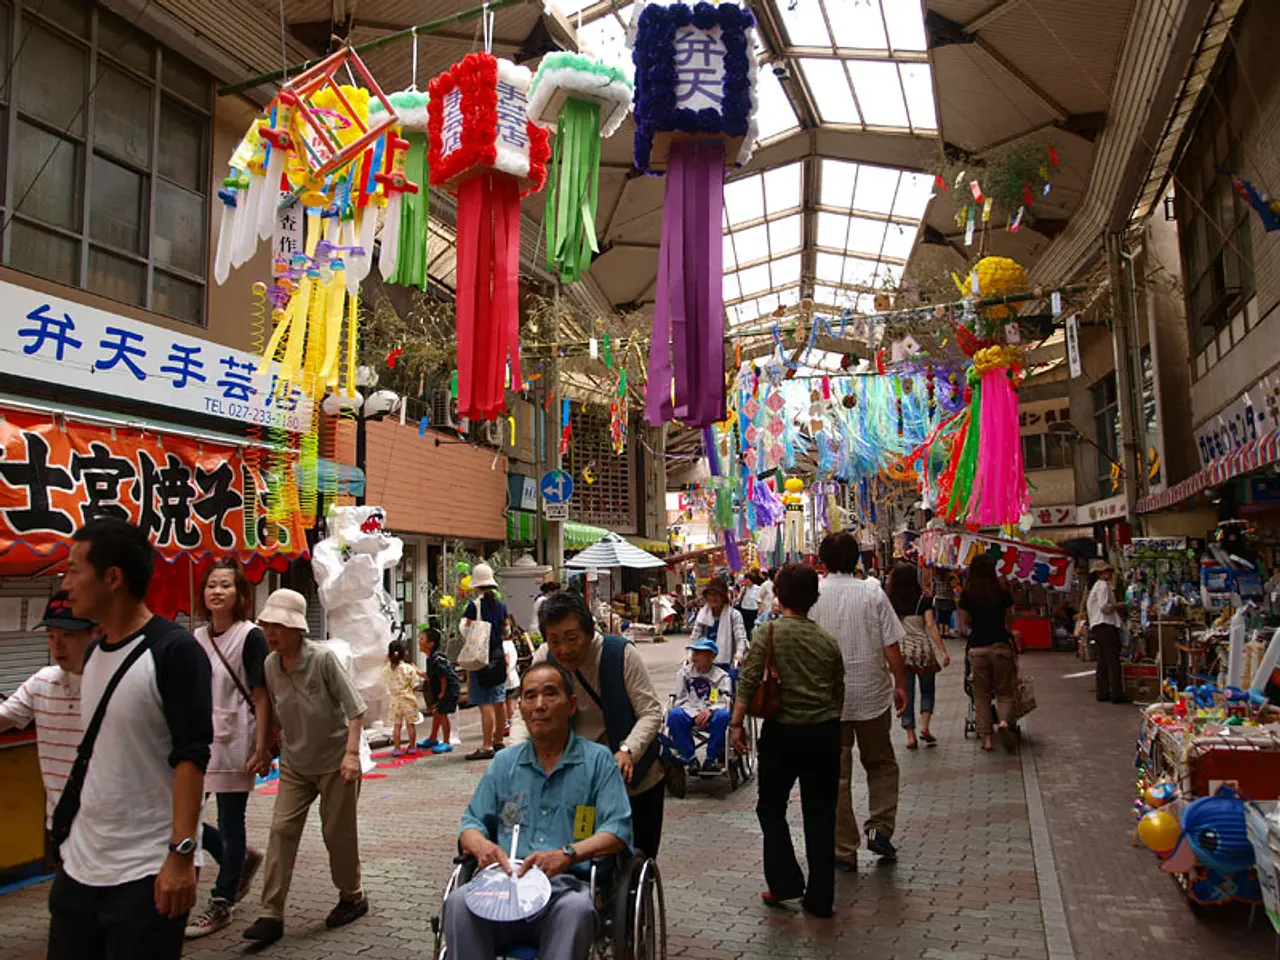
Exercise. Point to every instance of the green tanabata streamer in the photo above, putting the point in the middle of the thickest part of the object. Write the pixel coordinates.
(962, 488)
(411, 262)
(574, 190)
(724, 503)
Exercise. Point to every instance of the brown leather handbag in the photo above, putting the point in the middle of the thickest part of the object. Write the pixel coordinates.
(767, 700)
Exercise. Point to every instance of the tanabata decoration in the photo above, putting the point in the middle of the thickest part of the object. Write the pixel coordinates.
(583, 100)
(793, 534)
(695, 103)
(483, 147)
(402, 257)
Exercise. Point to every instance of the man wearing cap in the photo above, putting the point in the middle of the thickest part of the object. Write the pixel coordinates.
(1104, 630)
(51, 698)
(704, 694)
(319, 712)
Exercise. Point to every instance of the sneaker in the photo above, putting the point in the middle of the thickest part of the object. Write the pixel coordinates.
(265, 930)
(252, 861)
(713, 766)
(212, 919)
(412, 751)
(428, 744)
(345, 912)
(879, 844)
(481, 754)
(848, 866)
(397, 752)
(695, 768)
(442, 748)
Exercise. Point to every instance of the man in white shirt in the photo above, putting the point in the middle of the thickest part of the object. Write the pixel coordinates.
(1104, 630)
(858, 614)
(50, 698)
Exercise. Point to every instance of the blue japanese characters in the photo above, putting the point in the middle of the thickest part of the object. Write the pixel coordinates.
(695, 80)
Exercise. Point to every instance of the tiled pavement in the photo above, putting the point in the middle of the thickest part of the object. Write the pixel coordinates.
(965, 887)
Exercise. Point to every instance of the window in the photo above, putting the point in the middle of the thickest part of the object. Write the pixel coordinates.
(1044, 451)
(1033, 451)
(1106, 425)
(1213, 222)
(108, 192)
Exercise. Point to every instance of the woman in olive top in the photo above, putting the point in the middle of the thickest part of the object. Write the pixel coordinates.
(801, 742)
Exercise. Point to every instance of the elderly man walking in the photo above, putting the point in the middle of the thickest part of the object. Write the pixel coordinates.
(861, 618)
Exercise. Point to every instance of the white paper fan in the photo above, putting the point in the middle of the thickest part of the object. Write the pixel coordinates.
(493, 894)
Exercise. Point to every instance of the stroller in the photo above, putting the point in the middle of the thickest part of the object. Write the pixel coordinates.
(971, 718)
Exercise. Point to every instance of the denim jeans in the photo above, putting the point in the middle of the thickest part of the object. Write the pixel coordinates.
(226, 844)
(927, 687)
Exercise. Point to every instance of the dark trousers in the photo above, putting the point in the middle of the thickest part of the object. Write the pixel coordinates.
(748, 621)
(110, 923)
(226, 844)
(811, 754)
(1108, 682)
(646, 819)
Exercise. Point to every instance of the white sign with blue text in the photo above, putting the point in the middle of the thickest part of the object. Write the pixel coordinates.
(55, 340)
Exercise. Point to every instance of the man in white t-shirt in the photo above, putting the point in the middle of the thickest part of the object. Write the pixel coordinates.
(1104, 630)
(128, 875)
(50, 698)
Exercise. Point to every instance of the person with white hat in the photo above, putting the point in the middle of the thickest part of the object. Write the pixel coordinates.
(487, 688)
(1104, 630)
(319, 712)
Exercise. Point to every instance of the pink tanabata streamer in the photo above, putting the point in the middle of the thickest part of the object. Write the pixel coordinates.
(1000, 484)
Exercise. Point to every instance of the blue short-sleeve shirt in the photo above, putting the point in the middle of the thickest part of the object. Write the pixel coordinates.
(583, 795)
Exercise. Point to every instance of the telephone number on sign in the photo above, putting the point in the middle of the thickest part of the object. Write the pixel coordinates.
(267, 418)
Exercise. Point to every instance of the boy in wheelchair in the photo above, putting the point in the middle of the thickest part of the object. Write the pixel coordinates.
(571, 805)
(704, 694)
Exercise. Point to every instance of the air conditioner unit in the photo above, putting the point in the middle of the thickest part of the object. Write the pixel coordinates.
(444, 412)
(493, 433)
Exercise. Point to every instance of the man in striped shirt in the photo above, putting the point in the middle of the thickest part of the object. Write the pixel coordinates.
(51, 698)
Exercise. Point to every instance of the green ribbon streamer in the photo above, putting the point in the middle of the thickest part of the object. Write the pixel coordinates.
(411, 264)
(572, 197)
(967, 468)
(622, 384)
(608, 351)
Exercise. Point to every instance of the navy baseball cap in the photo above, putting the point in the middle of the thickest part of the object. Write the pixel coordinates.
(58, 614)
(704, 644)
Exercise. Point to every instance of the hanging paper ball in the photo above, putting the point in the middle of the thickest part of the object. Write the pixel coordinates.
(997, 277)
(1160, 793)
(465, 584)
(447, 602)
(794, 485)
(463, 567)
(1160, 831)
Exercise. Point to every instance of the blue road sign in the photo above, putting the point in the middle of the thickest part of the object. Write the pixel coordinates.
(557, 486)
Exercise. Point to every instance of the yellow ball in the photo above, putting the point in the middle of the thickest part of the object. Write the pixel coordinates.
(998, 277)
(466, 583)
(1160, 831)
(794, 485)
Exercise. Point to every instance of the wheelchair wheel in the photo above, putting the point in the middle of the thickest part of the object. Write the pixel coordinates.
(677, 778)
(462, 873)
(640, 914)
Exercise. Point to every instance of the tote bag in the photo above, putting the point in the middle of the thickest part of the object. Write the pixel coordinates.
(475, 645)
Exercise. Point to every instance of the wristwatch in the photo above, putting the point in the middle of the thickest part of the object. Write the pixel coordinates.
(571, 853)
(735, 726)
(184, 848)
(625, 748)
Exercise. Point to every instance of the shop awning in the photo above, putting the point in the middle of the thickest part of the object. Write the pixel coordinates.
(612, 551)
(657, 547)
(579, 536)
(1252, 456)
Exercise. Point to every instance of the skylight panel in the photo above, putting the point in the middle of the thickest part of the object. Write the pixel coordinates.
(775, 116)
(865, 236)
(607, 39)
(782, 188)
(833, 230)
(915, 190)
(828, 267)
(730, 257)
(754, 280)
(785, 234)
(829, 296)
(732, 290)
(879, 92)
(786, 271)
(875, 190)
(860, 272)
(898, 241)
(751, 244)
(838, 181)
(857, 24)
(917, 85)
(804, 23)
(829, 86)
(904, 23)
(743, 200)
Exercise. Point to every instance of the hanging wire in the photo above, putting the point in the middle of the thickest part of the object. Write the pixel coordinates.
(413, 83)
(284, 46)
(487, 18)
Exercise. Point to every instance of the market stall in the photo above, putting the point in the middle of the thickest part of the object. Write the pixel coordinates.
(614, 556)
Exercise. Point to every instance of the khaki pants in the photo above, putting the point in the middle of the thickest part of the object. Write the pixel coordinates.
(995, 670)
(338, 801)
(875, 751)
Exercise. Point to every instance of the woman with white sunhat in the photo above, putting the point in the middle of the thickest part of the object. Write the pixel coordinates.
(487, 687)
(319, 713)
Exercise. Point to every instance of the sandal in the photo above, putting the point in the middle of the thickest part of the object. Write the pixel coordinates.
(913, 745)
(988, 748)
(929, 738)
(482, 754)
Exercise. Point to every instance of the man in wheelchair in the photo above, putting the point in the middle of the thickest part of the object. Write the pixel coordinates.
(569, 800)
(704, 694)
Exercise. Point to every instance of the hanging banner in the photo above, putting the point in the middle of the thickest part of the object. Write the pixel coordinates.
(1014, 561)
(1074, 364)
(188, 494)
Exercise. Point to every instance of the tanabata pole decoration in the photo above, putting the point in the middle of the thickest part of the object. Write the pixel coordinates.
(402, 258)
(794, 523)
(583, 100)
(695, 103)
(483, 147)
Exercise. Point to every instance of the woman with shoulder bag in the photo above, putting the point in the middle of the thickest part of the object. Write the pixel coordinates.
(487, 687)
(237, 651)
(801, 669)
(923, 652)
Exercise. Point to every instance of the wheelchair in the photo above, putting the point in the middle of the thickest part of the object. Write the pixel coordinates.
(738, 767)
(630, 904)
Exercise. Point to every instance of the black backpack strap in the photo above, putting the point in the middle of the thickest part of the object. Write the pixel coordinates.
(64, 814)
